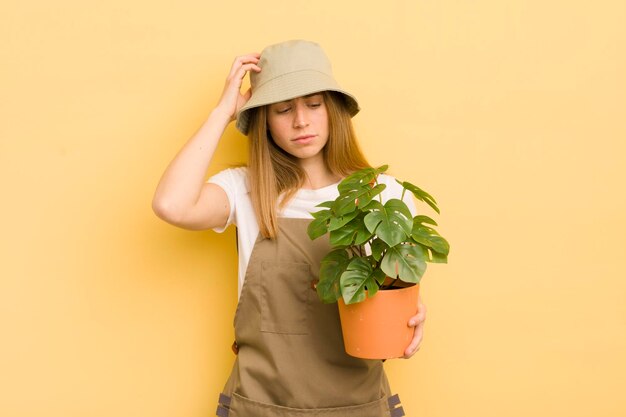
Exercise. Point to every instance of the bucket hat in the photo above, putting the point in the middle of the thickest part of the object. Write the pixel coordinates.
(288, 70)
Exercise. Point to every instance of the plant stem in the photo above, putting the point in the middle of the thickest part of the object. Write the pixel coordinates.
(391, 285)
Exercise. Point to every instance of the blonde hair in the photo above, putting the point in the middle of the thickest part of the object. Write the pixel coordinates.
(274, 174)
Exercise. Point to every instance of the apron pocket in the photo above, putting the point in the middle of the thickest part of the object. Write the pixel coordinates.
(285, 297)
(244, 407)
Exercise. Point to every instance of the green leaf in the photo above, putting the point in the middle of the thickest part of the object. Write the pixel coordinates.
(340, 221)
(360, 196)
(406, 262)
(322, 214)
(343, 236)
(317, 228)
(420, 194)
(378, 248)
(439, 245)
(362, 234)
(358, 277)
(429, 237)
(344, 204)
(327, 204)
(381, 169)
(368, 195)
(373, 205)
(392, 223)
(331, 268)
(361, 177)
(354, 183)
(438, 258)
(379, 276)
(352, 233)
(423, 219)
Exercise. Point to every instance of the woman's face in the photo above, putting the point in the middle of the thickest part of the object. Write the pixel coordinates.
(300, 126)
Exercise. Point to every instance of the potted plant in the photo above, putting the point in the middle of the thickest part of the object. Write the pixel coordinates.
(376, 246)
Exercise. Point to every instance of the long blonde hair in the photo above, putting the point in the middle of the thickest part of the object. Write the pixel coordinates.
(272, 172)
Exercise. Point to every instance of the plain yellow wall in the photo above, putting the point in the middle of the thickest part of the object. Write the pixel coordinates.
(510, 112)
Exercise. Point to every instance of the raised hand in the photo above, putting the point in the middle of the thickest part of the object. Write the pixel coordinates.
(232, 99)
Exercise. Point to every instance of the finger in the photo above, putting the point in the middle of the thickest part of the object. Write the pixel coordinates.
(420, 317)
(416, 320)
(247, 58)
(252, 67)
(241, 72)
(421, 310)
(421, 307)
(242, 60)
(415, 343)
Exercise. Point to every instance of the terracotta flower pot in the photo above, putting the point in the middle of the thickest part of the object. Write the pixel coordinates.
(377, 328)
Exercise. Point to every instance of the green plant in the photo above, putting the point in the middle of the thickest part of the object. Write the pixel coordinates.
(400, 244)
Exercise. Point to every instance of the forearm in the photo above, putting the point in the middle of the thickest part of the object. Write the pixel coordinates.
(181, 183)
(181, 197)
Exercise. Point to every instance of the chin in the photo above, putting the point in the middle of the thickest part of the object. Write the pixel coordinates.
(306, 153)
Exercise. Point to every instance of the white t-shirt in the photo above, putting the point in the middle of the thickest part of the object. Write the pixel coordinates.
(235, 183)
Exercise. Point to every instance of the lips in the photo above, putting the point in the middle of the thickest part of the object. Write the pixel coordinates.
(303, 139)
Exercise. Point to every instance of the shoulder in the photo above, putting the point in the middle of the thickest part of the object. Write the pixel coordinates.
(393, 188)
(387, 179)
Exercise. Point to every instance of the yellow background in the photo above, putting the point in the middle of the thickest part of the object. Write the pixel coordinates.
(511, 113)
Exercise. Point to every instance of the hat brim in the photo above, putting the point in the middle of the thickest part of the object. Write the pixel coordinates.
(290, 86)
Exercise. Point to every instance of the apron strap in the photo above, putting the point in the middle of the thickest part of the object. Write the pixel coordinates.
(223, 408)
(394, 411)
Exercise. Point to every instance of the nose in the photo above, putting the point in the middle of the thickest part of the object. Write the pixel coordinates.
(300, 119)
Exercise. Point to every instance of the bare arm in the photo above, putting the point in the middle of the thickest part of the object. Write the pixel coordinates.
(182, 198)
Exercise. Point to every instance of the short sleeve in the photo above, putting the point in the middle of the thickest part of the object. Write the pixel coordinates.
(231, 180)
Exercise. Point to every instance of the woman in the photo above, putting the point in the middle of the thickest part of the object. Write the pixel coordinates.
(290, 357)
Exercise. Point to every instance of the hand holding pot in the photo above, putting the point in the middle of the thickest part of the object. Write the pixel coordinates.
(416, 321)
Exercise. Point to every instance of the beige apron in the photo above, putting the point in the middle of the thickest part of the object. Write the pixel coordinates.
(290, 355)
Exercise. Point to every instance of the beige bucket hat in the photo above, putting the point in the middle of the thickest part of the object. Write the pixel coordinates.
(288, 70)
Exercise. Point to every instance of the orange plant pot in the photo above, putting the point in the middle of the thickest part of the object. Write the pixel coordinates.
(377, 328)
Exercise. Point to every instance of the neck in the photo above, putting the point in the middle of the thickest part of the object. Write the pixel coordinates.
(317, 174)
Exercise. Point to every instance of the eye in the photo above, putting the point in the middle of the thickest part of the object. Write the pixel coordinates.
(283, 110)
(314, 101)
